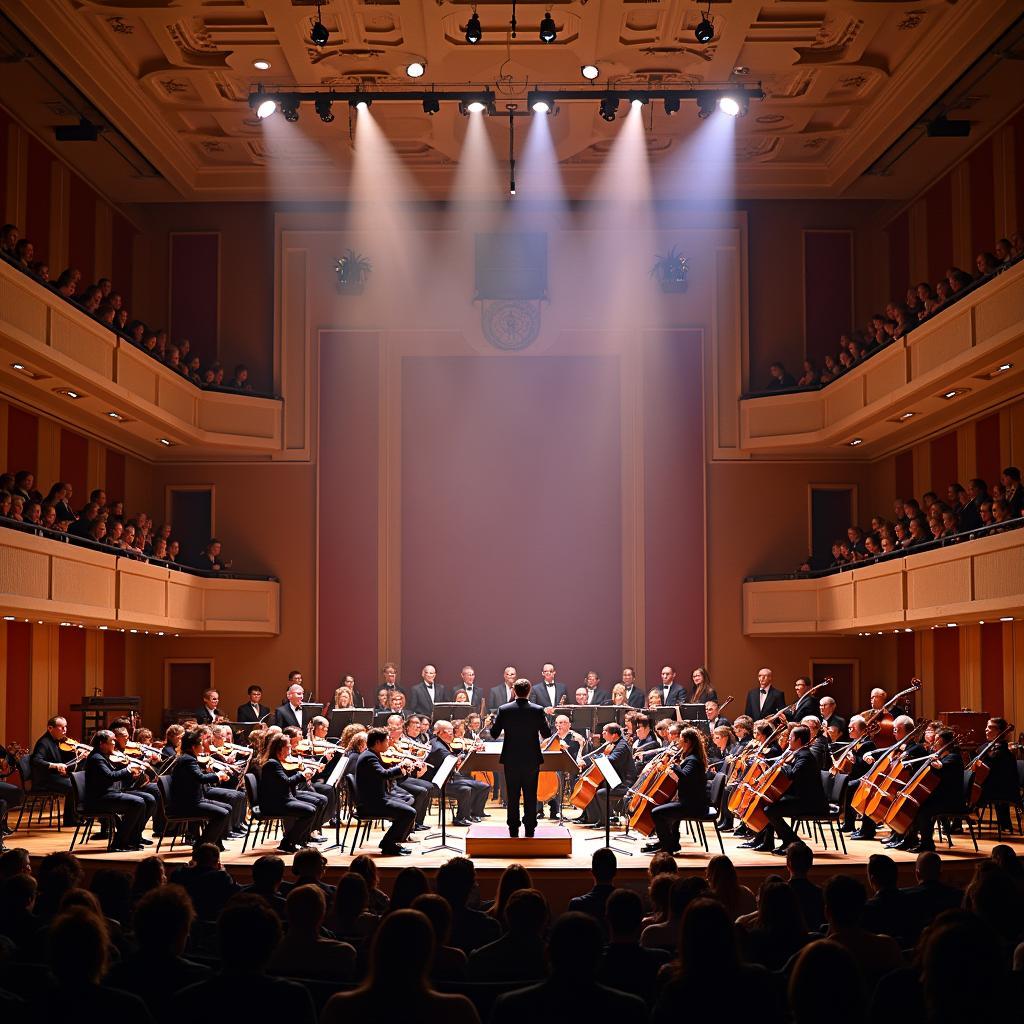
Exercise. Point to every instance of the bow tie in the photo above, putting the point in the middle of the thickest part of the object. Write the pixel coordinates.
(764, 693)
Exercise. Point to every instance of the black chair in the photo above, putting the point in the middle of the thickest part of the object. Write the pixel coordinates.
(355, 816)
(831, 815)
(39, 801)
(696, 823)
(949, 822)
(177, 825)
(257, 817)
(87, 819)
(1016, 806)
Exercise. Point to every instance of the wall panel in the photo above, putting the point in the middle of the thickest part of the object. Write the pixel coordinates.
(22, 440)
(944, 463)
(82, 232)
(939, 208)
(74, 466)
(71, 673)
(19, 663)
(947, 669)
(983, 200)
(992, 669)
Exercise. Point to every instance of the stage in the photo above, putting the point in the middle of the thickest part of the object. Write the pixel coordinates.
(559, 877)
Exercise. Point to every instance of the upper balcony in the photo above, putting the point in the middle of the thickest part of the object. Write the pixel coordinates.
(949, 368)
(52, 354)
(974, 580)
(49, 580)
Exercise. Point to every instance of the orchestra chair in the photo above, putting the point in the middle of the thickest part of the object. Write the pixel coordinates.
(178, 826)
(1017, 808)
(695, 824)
(41, 801)
(355, 817)
(835, 793)
(947, 822)
(88, 819)
(257, 817)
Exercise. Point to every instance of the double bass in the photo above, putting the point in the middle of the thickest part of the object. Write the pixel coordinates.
(790, 708)
(879, 720)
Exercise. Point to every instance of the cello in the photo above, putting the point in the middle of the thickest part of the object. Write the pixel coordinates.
(981, 769)
(650, 790)
(879, 720)
(752, 766)
(877, 788)
(589, 781)
(922, 784)
(772, 784)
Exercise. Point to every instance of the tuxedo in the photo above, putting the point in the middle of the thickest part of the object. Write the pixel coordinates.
(251, 712)
(371, 791)
(805, 795)
(677, 694)
(542, 696)
(1014, 498)
(970, 516)
(838, 721)
(421, 701)
(522, 723)
(207, 716)
(277, 796)
(102, 782)
(470, 794)
(635, 697)
(774, 702)
(475, 695)
(286, 715)
(805, 706)
(188, 781)
(498, 695)
(597, 697)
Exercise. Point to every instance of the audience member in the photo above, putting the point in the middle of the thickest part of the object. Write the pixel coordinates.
(519, 954)
(603, 866)
(456, 882)
(302, 952)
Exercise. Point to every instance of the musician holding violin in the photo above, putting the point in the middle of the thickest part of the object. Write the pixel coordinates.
(230, 795)
(372, 780)
(689, 766)
(52, 756)
(188, 796)
(850, 760)
(470, 794)
(277, 795)
(104, 792)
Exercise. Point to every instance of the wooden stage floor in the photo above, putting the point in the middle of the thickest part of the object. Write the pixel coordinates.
(550, 873)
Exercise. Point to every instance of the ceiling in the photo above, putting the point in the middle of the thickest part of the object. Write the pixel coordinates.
(844, 80)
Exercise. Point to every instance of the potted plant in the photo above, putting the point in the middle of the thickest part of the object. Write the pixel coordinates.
(352, 270)
(670, 271)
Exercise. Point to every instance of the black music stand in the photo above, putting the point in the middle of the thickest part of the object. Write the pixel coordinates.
(609, 780)
(334, 779)
(340, 717)
(583, 716)
(452, 710)
(443, 773)
(693, 714)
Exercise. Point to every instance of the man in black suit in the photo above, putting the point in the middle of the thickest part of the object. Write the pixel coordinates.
(504, 692)
(570, 742)
(603, 865)
(671, 691)
(277, 796)
(290, 712)
(805, 794)
(549, 692)
(470, 794)
(712, 709)
(102, 794)
(596, 694)
(805, 702)
(621, 759)
(1013, 493)
(467, 685)
(829, 719)
(523, 723)
(931, 895)
(389, 675)
(634, 695)
(426, 693)
(49, 765)
(253, 710)
(187, 792)
(764, 700)
(374, 802)
(209, 711)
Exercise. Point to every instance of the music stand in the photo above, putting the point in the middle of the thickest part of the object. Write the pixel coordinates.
(694, 714)
(334, 779)
(340, 717)
(240, 730)
(582, 716)
(609, 779)
(310, 709)
(451, 711)
(440, 780)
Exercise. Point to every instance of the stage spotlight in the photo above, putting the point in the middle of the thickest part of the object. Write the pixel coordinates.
(671, 104)
(477, 103)
(265, 109)
(290, 108)
(416, 69)
(590, 72)
(733, 105)
(548, 32)
(540, 103)
(638, 100)
(319, 35)
(705, 31)
(474, 33)
(360, 104)
(475, 107)
(431, 104)
(608, 107)
(706, 103)
(322, 105)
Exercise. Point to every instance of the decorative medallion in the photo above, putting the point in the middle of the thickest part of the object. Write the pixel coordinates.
(510, 325)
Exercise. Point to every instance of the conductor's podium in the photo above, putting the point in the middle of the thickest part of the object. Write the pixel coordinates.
(485, 840)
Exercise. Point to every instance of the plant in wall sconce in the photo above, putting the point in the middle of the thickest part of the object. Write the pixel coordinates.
(352, 270)
(671, 271)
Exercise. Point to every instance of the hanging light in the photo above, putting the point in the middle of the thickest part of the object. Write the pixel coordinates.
(416, 69)
(548, 32)
(609, 104)
(265, 109)
(474, 33)
(322, 105)
(319, 34)
(590, 72)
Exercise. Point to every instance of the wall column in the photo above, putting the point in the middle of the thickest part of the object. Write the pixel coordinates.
(43, 676)
(16, 199)
(60, 217)
(48, 454)
(926, 671)
(970, 666)
(961, 180)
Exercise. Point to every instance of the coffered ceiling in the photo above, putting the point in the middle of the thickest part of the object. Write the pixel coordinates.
(844, 80)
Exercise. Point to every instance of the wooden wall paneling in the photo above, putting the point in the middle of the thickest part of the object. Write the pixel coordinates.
(44, 664)
(947, 667)
(940, 212)
(22, 439)
(17, 174)
(74, 465)
(983, 204)
(992, 666)
(944, 463)
(60, 218)
(82, 229)
(988, 460)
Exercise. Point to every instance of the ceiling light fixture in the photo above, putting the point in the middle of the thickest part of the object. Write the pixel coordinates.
(907, 416)
(265, 109)
(705, 31)
(115, 416)
(319, 34)
(590, 72)
(608, 107)
(322, 105)
(261, 65)
(707, 103)
(728, 105)
(166, 442)
(431, 104)
(539, 103)
(671, 105)
(290, 109)
(856, 441)
(417, 69)
(954, 393)
(363, 104)
(548, 32)
(1006, 618)
(474, 33)
(68, 393)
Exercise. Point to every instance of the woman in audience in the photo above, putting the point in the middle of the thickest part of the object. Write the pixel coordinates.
(449, 961)
(780, 929)
(409, 883)
(513, 878)
(822, 970)
(724, 885)
(366, 867)
(809, 376)
(350, 919)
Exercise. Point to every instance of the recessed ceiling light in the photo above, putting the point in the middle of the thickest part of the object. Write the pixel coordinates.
(950, 625)
(908, 630)
(22, 368)
(856, 441)
(17, 366)
(590, 72)
(167, 442)
(1000, 369)
(741, 70)
(1006, 618)
(954, 393)
(104, 627)
(68, 393)
(65, 623)
(133, 631)
(261, 64)
(115, 415)
(9, 618)
(907, 416)
(416, 69)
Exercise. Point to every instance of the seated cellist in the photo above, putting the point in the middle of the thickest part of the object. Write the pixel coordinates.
(946, 798)
(690, 799)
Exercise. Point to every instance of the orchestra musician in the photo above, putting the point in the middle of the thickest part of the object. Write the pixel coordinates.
(549, 692)
(49, 765)
(634, 695)
(1002, 785)
(147, 790)
(820, 746)
(470, 794)
(766, 751)
(230, 796)
(172, 740)
(348, 682)
(645, 743)
(104, 793)
(654, 699)
(829, 719)
(902, 726)
(188, 799)
(389, 678)
(10, 796)
(764, 700)
(621, 759)
(312, 790)
(522, 722)
(859, 765)
(691, 794)
(571, 742)
(467, 685)
(412, 788)
(209, 711)
(618, 699)
(671, 691)
(715, 718)
(947, 798)
(503, 693)
(291, 712)
(596, 694)
(253, 709)
(427, 692)
(723, 745)
(703, 691)
(372, 779)
(277, 795)
(806, 705)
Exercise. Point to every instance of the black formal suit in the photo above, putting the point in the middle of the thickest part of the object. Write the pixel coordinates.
(597, 697)
(64, 511)
(835, 720)
(635, 697)
(807, 705)
(45, 753)
(474, 696)
(1002, 785)
(714, 723)
(690, 801)
(523, 724)
(927, 901)
(372, 780)
(677, 694)
(858, 769)
(470, 794)
(285, 716)
(252, 713)
(277, 795)
(621, 759)
(774, 701)
(970, 515)
(102, 780)
(421, 701)
(804, 796)
(188, 798)
(947, 798)
(1014, 498)
(539, 695)
(650, 744)
(498, 695)
(207, 716)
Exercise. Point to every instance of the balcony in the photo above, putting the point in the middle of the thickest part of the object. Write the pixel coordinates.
(965, 583)
(50, 351)
(48, 580)
(864, 415)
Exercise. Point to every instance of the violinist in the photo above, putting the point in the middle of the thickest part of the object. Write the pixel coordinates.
(744, 729)
(309, 789)
(172, 741)
(819, 742)
(1001, 787)
(229, 796)
(690, 799)
(855, 765)
(188, 799)
(712, 709)
(10, 796)
(144, 782)
(805, 702)
(621, 759)
(103, 793)
(371, 784)
(946, 798)
(645, 743)
(412, 788)
(571, 742)
(805, 794)
(723, 745)
(277, 795)
(470, 794)
(49, 765)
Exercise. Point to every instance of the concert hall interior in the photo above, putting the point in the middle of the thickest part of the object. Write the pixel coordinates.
(456, 448)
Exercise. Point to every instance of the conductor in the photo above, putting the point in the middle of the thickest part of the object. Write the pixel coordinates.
(524, 724)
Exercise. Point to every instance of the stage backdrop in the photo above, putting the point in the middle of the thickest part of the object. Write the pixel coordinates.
(509, 509)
